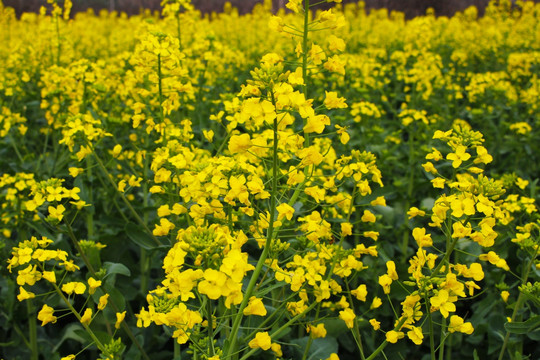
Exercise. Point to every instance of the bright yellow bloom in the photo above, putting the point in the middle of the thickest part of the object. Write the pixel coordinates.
(103, 300)
(348, 316)
(285, 211)
(375, 324)
(119, 318)
(458, 156)
(262, 340)
(360, 292)
(415, 334)
(93, 284)
(24, 295)
(46, 315)
(239, 143)
(317, 332)
(255, 307)
(87, 317)
(457, 324)
(393, 336)
(74, 287)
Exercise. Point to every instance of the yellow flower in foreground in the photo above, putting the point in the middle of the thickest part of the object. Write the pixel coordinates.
(46, 315)
(393, 336)
(93, 285)
(376, 324)
(239, 143)
(316, 332)
(285, 211)
(348, 316)
(69, 357)
(87, 317)
(24, 295)
(457, 324)
(103, 300)
(119, 318)
(262, 340)
(74, 287)
(255, 307)
(415, 334)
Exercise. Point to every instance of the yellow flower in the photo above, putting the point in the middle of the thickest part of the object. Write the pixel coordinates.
(255, 307)
(457, 324)
(74, 287)
(46, 315)
(239, 143)
(285, 211)
(504, 295)
(103, 300)
(316, 331)
(375, 324)
(69, 357)
(376, 303)
(331, 101)
(348, 316)
(75, 171)
(262, 340)
(214, 284)
(414, 211)
(422, 239)
(93, 285)
(119, 318)
(442, 303)
(368, 216)
(393, 336)
(458, 156)
(24, 295)
(415, 334)
(316, 123)
(87, 317)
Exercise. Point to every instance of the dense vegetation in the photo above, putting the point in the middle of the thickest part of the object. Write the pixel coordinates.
(326, 185)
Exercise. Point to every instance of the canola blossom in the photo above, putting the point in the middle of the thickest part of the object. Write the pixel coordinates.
(300, 184)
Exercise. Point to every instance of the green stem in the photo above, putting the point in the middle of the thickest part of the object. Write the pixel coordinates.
(431, 331)
(285, 326)
(209, 314)
(519, 301)
(310, 340)
(443, 338)
(385, 343)
(126, 201)
(126, 328)
(98, 343)
(32, 331)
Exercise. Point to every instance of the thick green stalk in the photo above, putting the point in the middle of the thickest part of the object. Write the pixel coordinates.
(210, 327)
(519, 302)
(32, 329)
(431, 330)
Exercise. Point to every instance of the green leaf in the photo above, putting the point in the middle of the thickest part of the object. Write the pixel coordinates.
(320, 348)
(72, 332)
(139, 236)
(475, 355)
(116, 268)
(523, 327)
